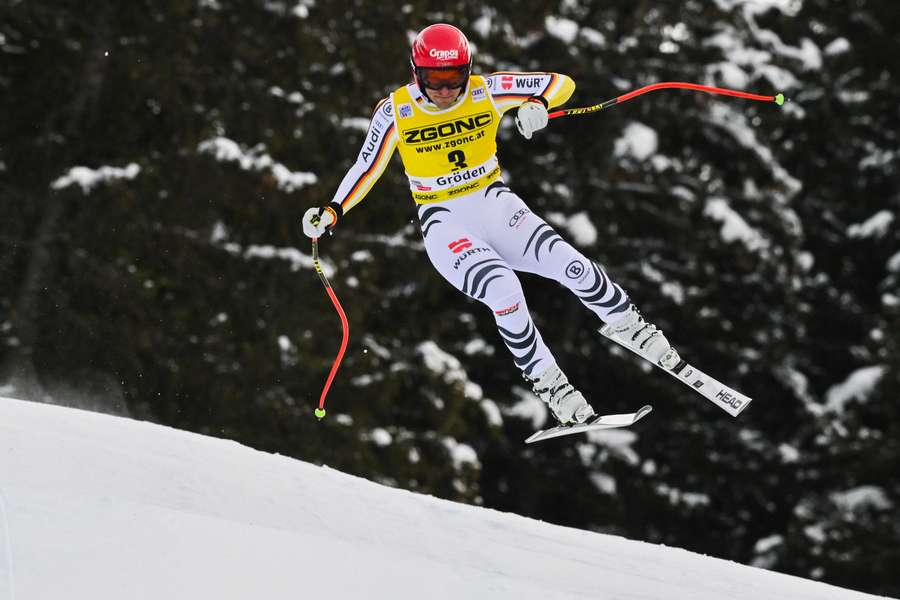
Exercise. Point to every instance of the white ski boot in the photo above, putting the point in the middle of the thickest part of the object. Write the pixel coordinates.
(643, 338)
(565, 402)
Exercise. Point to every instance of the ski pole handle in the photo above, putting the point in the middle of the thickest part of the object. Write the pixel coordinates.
(345, 327)
(777, 99)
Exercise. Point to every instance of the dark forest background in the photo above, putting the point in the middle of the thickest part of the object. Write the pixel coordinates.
(155, 159)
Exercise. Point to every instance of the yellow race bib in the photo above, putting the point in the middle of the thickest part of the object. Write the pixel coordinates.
(448, 153)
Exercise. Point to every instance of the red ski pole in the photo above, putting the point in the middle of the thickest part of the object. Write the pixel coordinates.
(345, 326)
(777, 99)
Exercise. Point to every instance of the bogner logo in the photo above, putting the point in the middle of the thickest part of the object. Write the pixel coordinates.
(575, 269)
(443, 54)
(447, 129)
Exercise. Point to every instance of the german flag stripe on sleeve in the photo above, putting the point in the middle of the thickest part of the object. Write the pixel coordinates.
(553, 79)
(555, 88)
(370, 175)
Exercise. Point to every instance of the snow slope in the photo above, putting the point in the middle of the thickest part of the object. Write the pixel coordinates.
(100, 507)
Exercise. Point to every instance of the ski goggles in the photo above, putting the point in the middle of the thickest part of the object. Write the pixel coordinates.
(435, 78)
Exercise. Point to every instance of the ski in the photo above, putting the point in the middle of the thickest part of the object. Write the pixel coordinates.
(726, 398)
(602, 422)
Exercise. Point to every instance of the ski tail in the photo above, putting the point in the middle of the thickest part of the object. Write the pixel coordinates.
(726, 398)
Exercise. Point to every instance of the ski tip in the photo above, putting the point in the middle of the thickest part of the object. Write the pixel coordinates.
(779, 99)
(534, 436)
(320, 413)
(743, 406)
(643, 411)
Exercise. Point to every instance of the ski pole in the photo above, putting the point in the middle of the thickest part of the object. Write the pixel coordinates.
(345, 326)
(777, 99)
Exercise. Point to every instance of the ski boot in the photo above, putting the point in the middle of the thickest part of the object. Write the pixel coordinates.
(566, 403)
(643, 338)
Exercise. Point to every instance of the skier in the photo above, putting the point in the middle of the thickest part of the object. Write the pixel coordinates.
(477, 231)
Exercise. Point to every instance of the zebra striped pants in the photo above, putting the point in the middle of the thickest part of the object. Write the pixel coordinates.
(478, 242)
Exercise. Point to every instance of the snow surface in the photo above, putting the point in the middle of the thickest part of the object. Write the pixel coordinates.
(294, 257)
(578, 225)
(256, 159)
(562, 28)
(638, 141)
(88, 178)
(861, 497)
(734, 227)
(858, 385)
(100, 507)
(875, 226)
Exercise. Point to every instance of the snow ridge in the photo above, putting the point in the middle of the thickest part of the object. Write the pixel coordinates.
(101, 506)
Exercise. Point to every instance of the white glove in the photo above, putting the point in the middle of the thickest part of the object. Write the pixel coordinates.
(317, 221)
(531, 117)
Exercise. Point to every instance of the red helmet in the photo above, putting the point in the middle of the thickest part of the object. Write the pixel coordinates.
(441, 45)
(441, 57)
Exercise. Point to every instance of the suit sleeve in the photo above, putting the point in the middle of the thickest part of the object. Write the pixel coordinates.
(509, 89)
(378, 147)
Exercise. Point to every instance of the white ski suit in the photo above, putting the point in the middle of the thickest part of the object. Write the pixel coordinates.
(477, 231)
